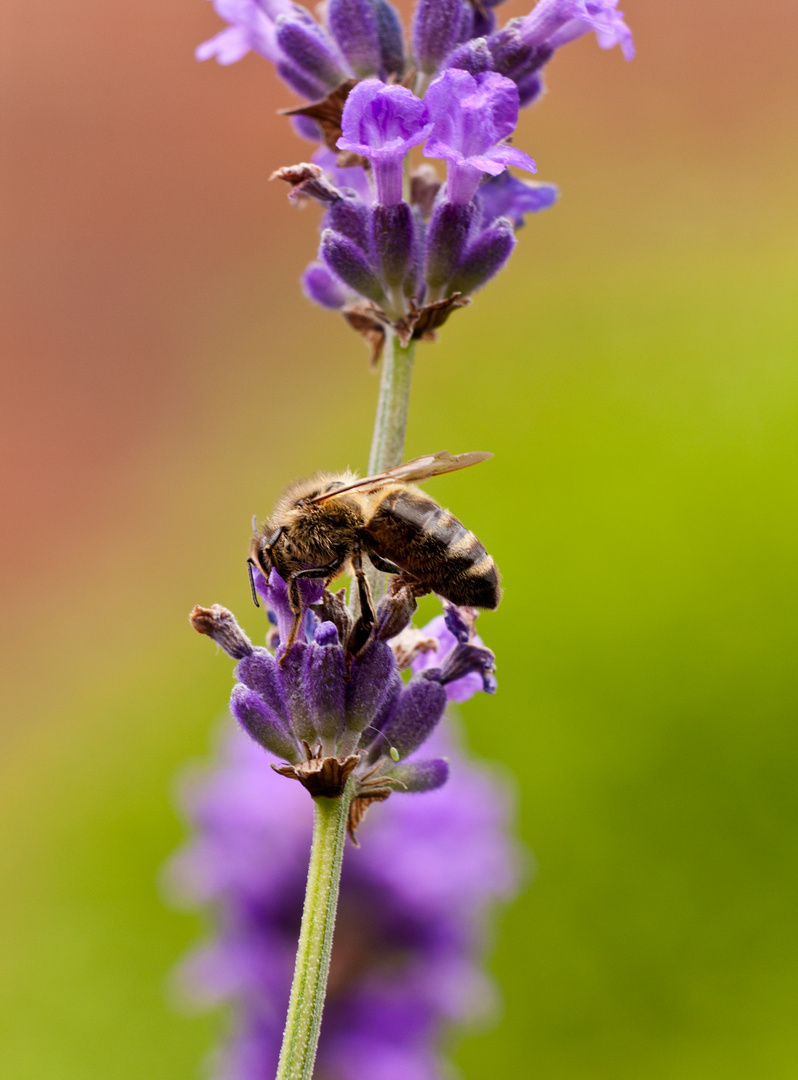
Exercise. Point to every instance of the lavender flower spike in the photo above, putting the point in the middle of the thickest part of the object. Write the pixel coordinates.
(331, 713)
(381, 123)
(555, 22)
(406, 958)
(471, 115)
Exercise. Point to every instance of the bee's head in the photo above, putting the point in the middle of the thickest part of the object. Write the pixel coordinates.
(263, 551)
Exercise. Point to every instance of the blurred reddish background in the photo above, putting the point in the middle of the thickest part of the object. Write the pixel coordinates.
(136, 193)
(144, 246)
(163, 376)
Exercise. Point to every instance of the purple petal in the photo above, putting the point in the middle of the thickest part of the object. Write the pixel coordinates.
(382, 121)
(228, 46)
(506, 196)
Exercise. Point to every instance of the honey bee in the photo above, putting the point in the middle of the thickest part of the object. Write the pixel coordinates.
(333, 521)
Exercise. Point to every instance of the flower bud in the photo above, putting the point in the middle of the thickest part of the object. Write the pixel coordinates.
(417, 713)
(351, 265)
(485, 257)
(261, 724)
(220, 625)
(369, 685)
(349, 216)
(306, 44)
(300, 81)
(424, 775)
(323, 287)
(466, 29)
(484, 23)
(447, 236)
(473, 57)
(259, 672)
(324, 677)
(354, 25)
(306, 128)
(292, 663)
(393, 241)
(530, 87)
(392, 49)
(436, 25)
(513, 55)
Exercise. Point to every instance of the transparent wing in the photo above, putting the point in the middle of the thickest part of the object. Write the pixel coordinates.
(420, 468)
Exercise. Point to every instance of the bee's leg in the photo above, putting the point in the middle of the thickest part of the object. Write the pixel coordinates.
(364, 592)
(384, 565)
(294, 598)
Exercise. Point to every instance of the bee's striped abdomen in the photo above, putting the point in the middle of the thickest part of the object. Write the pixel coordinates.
(429, 542)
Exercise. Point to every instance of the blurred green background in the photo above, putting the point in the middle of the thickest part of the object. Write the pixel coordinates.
(634, 371)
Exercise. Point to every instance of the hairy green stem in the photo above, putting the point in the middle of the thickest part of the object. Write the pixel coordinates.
(303, 1022)
(390, 424)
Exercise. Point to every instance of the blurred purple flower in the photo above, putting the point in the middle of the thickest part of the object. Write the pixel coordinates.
(555, 22)
(285, 33)
(506, 196)
(411, 919)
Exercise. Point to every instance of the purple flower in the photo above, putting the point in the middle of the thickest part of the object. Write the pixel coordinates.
(252, 28)
(381, 123)
(505, 196)
(450, 632)
(555, 22)
(283, 32)
(471, 116)
(408, 941)
(353, 176)
(330, 714)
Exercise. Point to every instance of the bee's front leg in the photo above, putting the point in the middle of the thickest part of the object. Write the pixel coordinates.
(364, 592)
(295, 599)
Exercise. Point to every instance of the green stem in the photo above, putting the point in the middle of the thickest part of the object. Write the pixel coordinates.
(390, 423)
(302, 1025)
(303, 1022)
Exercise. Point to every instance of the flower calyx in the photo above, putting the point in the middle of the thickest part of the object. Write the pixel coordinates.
(323, 777)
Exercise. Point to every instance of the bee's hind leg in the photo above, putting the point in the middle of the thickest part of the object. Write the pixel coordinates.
(385, 566)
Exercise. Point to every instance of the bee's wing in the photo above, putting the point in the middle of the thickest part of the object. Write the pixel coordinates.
(418, 469)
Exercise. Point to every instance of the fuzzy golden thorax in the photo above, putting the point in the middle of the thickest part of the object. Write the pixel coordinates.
(313, 534)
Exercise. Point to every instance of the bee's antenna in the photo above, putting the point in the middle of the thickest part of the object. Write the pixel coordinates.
(254, 523)
(250, 565)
